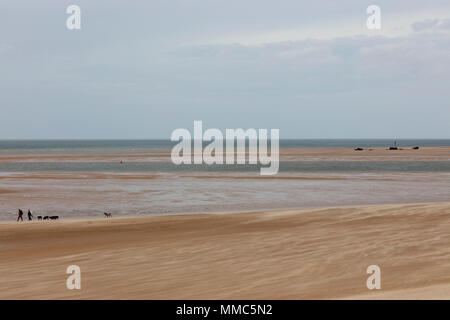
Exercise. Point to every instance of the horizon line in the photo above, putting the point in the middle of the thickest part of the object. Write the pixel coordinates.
(168, 139)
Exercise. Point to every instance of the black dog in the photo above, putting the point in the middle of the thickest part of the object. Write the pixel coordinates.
(46, 217)
(54, 217)
(39, 217)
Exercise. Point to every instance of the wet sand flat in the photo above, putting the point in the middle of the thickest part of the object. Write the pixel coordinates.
(441, 153)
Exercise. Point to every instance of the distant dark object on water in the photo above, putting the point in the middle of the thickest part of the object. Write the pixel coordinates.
(394, 147)
(415, 148)
(39, 217)
(54, 217)
(359, 149)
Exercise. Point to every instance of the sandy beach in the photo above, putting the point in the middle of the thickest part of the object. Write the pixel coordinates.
(290, 254)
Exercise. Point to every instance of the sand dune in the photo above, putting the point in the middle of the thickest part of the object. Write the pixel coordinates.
(308, 253)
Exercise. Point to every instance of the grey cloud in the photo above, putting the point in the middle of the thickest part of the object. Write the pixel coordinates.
(431, 24)
(425, 25)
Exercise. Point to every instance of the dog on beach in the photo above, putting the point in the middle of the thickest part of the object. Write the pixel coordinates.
(108, 214)
(47, 218)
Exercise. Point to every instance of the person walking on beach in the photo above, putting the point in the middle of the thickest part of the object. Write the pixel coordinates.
(19, 215)
(30, 216)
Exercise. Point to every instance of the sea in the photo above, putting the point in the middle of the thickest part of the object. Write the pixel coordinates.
(130, 147)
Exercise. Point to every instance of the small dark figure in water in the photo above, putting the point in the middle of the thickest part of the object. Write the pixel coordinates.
(54, 217)
(30, 216)
(20, 215)
(39, 217)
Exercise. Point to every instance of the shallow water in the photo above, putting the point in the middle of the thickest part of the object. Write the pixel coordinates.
(288, 166)
(90, 194)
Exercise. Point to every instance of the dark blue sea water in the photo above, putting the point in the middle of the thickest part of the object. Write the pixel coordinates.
(163, 144)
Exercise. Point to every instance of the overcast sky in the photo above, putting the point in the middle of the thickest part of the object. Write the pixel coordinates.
(140, 69)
